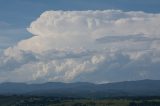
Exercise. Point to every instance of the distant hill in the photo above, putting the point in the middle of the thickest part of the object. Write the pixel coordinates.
(84, 89)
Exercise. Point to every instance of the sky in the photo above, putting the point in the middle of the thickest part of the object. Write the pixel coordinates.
(97, 41)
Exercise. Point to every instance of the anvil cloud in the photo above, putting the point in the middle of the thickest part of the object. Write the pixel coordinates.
(96, 46)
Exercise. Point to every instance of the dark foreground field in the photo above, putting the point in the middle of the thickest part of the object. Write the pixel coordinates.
(50, 101)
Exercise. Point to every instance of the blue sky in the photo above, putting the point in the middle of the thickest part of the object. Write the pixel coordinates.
(116, 40)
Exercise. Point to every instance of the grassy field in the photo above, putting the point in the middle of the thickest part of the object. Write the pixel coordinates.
(49, 101)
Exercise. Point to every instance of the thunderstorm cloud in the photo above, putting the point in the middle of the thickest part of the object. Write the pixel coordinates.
(95, 46)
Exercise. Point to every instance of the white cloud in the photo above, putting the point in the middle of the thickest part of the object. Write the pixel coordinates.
(69, 45)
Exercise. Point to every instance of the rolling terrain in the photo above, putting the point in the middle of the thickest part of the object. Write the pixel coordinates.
(141, 88)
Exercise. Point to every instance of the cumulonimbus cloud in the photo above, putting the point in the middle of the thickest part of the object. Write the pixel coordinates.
(71, 45)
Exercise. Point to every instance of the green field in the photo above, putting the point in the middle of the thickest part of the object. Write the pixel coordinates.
(50, 101)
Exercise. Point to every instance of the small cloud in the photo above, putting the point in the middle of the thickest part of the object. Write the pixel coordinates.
(131, 38)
